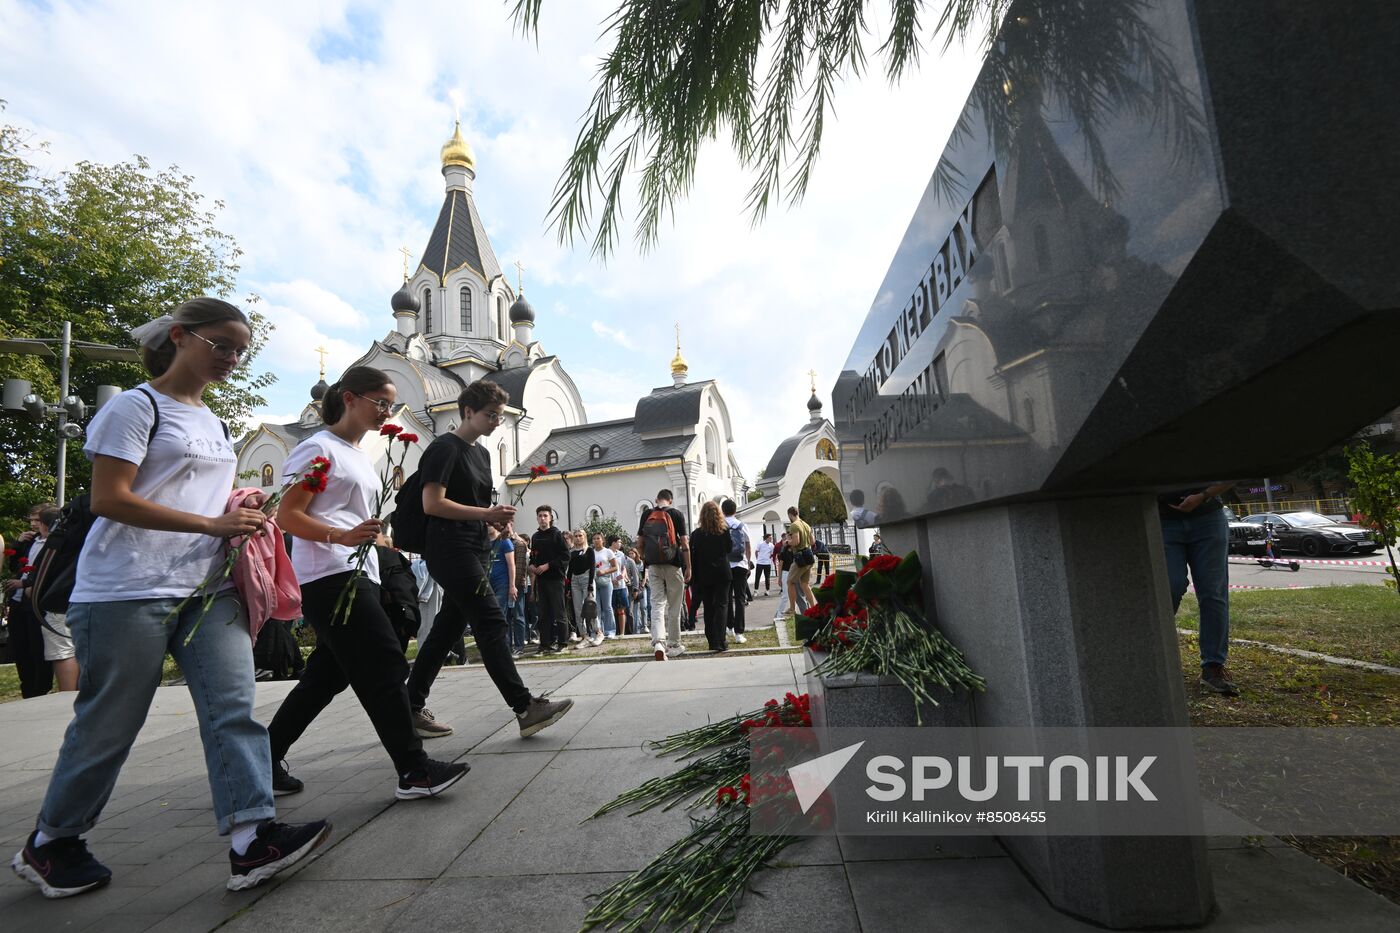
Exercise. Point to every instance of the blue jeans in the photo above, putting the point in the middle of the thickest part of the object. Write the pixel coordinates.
(121, 648)
(502, 591)
(603, 587)
(516, 618)
(1202, 543)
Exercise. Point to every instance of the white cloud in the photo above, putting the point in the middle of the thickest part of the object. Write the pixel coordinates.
(318, 125)
(616, 336)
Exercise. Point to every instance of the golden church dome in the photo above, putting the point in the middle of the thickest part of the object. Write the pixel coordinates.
(456, 151)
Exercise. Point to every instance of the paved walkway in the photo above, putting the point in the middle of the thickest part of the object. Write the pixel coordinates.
(505, 850)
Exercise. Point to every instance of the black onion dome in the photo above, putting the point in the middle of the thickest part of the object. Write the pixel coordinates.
(404, 300)
(814, 403)
(319, 390)
(521, 312)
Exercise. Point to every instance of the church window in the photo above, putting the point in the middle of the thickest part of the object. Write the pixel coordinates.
(826, 450)
(466, 307)
(711, 449)
(1042, 248)
(1028, 407)
(502, 450)
(643, 507)
(427, 311)
(398, 477)
(551, 458)
(267, 479)
(595, 452)
(595, 514)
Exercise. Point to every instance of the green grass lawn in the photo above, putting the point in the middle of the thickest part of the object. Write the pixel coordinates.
(1358, 621)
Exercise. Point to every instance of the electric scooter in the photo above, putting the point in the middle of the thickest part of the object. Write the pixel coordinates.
(1269, 561)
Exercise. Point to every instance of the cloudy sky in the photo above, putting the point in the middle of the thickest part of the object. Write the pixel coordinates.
(318, 124)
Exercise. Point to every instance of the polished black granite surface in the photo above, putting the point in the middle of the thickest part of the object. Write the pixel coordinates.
(1161, 247)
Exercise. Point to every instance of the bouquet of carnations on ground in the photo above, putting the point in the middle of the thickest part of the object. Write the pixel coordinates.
(870, 621)
(699, 880)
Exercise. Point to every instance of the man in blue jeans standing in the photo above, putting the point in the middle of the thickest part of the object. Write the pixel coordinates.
(1196, 535)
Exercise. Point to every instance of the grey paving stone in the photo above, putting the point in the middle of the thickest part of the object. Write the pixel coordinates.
(171, 895)
(600, 678)
(631, 719)
(813, 899)
(701, 673)
(24, 908)
(542, 827)
(305, 905)
(209, 909)
(1281, 889)
(507, 740)
(421, 838)
(534, 903)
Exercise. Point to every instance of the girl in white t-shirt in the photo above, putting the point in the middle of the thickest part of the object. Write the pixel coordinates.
(162, 470)
(363, 651)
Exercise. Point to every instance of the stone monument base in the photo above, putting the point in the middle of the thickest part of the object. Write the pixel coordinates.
(1064, 608)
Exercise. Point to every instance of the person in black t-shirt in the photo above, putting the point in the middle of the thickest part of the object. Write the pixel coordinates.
(456, 473)
(549, 558)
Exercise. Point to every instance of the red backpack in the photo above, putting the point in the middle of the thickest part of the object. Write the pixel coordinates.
(659, 538)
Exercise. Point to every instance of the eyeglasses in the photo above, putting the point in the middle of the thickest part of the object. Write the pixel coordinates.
(222, 351)
(383, 404)
(495, 417)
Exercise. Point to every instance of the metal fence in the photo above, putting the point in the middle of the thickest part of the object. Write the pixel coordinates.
(1320, 506)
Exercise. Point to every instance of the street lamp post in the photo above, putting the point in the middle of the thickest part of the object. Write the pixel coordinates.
(19, 397)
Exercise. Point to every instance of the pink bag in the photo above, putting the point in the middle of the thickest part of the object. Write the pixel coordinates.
(263, 576)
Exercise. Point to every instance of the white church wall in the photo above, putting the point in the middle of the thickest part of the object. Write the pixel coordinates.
(264, 449)
(614, 493)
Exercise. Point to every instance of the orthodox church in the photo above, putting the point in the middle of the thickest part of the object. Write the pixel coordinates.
(457, 319)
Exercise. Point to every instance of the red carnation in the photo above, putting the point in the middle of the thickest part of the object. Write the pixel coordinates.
(726, 795)
(320, 464)
(828, 583)
(389, 430)
(539, 470)
(408, 438)
(10, 552)
(314, 482)
(883, 563)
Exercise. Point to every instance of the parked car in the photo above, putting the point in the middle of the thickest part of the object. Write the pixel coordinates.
(1245, 537)
(1316, 535)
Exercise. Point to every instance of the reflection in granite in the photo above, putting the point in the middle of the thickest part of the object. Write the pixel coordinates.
(1095, 296)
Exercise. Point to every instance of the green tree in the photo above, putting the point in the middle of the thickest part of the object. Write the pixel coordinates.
(607, 527)
(820, 502)
(1377, 495)
(765, 73)
(106, 247)
(755, 494)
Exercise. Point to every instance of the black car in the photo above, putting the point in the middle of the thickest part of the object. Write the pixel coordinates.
(1245, 537)
(1316, 535)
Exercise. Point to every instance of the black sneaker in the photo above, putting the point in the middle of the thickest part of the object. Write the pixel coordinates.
(1216, 679)
(431, 779)
(277, 846)
(60, 867)
(540, 714)
(282, 782)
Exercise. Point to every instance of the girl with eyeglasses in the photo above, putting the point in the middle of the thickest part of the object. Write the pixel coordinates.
(363, 651)
(162, 470)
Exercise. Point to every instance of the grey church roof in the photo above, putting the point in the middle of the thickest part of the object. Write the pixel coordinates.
(778, 463)
(513, 380)
(670, 407)
(460, 240)
(619, 442)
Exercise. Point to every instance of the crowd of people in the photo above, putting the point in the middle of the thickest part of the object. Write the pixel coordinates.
(163, 487)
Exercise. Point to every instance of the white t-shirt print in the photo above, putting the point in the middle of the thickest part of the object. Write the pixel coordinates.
(189, 465)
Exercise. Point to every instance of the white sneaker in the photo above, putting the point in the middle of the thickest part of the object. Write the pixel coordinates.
(739, 637)
(573, 636)
(596, 640)
(674, 650)
(659, 651)
(610, 636)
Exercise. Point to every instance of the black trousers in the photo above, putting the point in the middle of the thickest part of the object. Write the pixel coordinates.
(459, 571)
(361, 653)
(27, 647)
(553, 615)
(762, 573)
(738, 594)
(714, 594)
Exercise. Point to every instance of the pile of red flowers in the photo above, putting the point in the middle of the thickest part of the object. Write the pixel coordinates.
(793, 711)
(314, 480)
(883, 563)
(397, 431)
(538, 470)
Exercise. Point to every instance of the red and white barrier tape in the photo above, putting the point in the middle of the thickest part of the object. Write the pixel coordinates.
(1312, 560)
(1251, 586)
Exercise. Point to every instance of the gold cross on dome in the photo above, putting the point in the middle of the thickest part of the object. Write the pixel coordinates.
(321, 352)
(519, 277)
(406, 255)
(813, 374)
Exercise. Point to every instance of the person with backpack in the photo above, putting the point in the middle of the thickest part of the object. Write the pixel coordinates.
(162, 468)
(457, 489)
(52, 616)
(398, 590)
(710, 548)
(740, 558)
(25, 625)
(361, 650)
(665, 548)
